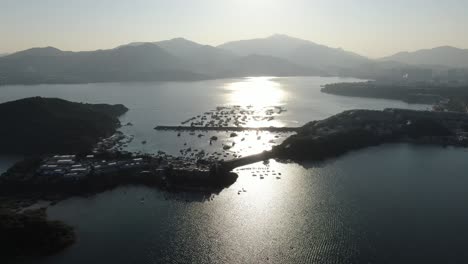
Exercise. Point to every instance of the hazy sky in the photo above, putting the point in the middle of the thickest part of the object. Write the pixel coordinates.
(369, 27)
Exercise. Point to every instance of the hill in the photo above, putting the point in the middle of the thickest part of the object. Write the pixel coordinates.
(146, 62)
(301, 52)
(203, 59)
(47, 125)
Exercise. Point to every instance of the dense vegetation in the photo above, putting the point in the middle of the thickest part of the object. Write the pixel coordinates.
(46, 125)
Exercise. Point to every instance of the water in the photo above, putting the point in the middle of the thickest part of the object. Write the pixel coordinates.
(388, 204)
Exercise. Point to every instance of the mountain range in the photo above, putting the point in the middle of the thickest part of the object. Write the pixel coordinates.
(180, 59)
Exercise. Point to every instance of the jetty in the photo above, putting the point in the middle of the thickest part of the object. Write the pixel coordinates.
(239, 162)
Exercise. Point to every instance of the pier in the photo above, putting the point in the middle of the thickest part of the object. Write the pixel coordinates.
(239, 162)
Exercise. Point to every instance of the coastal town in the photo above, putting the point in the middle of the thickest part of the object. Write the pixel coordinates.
(75, 174)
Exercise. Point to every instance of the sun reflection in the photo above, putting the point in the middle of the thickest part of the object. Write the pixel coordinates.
(256, 91)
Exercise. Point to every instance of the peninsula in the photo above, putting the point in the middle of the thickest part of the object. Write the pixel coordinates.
(357, 129)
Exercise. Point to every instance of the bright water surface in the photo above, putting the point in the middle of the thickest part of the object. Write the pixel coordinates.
(387, 204)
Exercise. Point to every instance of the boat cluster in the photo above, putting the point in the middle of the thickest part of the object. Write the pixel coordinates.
(233, 116)
(262, 172)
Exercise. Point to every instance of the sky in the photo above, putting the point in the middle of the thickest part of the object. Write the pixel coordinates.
(373, 28)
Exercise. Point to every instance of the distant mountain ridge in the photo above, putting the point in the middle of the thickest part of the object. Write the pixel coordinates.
(445, 56)
(298, 51)
(180, 59)
(146, 62)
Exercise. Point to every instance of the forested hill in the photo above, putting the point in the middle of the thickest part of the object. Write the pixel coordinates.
(48, 125)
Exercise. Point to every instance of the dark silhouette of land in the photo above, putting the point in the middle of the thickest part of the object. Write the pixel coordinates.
(30, 234)
(356, 129)
(48, 125)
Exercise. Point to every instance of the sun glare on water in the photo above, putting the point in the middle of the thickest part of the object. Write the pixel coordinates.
(257, 92)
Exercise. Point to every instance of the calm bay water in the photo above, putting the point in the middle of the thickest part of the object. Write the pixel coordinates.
(170, 103)
(387, 204)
